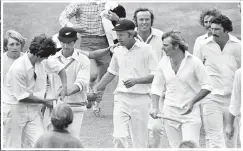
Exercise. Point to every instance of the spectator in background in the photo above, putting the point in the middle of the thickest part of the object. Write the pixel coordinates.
(13, 43)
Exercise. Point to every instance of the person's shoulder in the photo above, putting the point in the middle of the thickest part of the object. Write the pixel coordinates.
(234, 39)
(81, 57)
(157, 32)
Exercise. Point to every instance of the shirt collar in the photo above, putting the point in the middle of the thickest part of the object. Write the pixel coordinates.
(187, 54)
(231, 39)
(153, 33)
(27, 62)
(74, 55)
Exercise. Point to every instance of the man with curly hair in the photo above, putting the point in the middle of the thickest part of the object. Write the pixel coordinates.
(205, 20)
(24, 90)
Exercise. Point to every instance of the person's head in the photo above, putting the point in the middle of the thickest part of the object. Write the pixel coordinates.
(61, 116)
(188, 144)
(120, 12)
(207, 16)
(67, 36)
(42, 47)
(221, 26)
(125, 32)
(13, 42)
(173, 42)
(143, 19)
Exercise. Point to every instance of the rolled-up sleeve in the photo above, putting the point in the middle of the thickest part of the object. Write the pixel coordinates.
(113, 67)
(151, 61)
(52, 65)
(68, 13)
(202, 75)
(83, 76)
(19, 85)
(159, 82)
(235, 104)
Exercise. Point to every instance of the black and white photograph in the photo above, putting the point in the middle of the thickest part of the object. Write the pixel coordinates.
(120, 74)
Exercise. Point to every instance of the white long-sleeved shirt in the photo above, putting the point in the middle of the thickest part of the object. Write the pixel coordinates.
(136, 62)
(78, 72)
(155, 40)
(183, 86)
(19, 82)
(235, 103)
(221, 65)
(199, 43)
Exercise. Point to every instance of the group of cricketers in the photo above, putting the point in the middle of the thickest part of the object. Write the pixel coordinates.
(47, 89)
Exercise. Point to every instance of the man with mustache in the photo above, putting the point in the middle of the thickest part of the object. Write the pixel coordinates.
(144, 19)
(134, 64)
(221, 54)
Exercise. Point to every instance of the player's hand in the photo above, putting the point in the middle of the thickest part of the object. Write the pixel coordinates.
(111, 16)
(153, 112)
(188, 106)
(79, 30)
(229, 130)
(62, 92)
(49, 102)
(129, 83)
(113, 47)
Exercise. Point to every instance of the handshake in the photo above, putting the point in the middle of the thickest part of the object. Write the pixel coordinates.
(93, 96)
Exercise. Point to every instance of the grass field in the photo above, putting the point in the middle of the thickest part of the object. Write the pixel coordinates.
(31, 19)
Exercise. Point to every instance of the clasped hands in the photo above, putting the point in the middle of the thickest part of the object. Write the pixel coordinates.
(61, 93)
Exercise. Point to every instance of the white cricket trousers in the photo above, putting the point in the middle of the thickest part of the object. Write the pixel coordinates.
(75, 127)
(215, 118)
(187, 131)
(22, 125)
(131, 111)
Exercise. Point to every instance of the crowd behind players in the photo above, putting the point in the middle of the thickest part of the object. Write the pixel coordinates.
(163, 96)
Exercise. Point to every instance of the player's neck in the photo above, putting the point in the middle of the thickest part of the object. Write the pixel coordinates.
(13, 55)
(145, 34)
(67, 53)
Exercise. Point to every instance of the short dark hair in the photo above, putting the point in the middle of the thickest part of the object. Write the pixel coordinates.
(61, 116)
(42, 46)
(208, 12)
(224, 21)
(176, 39)
(143, 10)
(120, 12)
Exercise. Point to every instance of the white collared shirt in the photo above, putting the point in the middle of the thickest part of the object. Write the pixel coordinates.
(134, 63)
(235, 104)
(221, 65)
(78, 72)
(198, 44)
(7, 62)
(155, 40)
(20, 83)
(180, 87)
